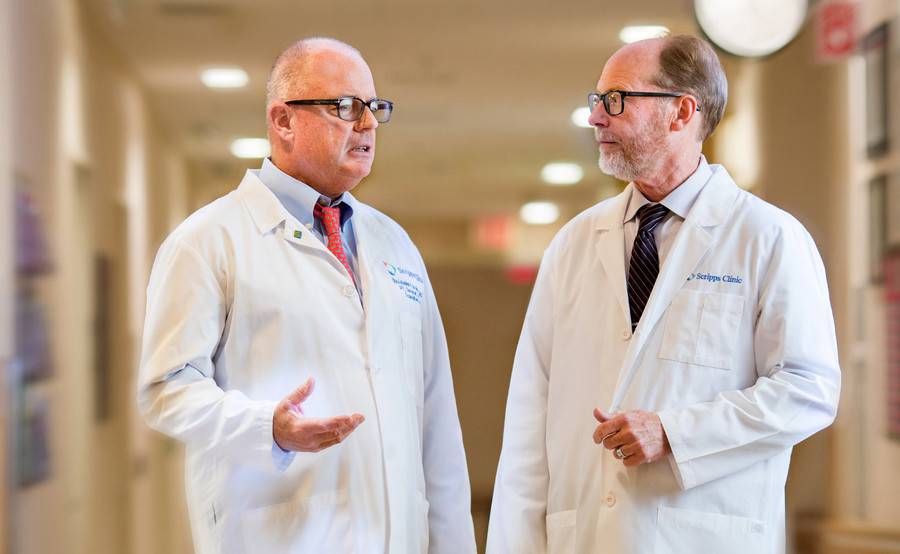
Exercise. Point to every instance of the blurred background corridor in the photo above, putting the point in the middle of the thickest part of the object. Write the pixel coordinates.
(112, 130)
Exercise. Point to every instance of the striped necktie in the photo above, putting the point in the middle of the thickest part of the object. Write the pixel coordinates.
(644, 267)
(331, 221)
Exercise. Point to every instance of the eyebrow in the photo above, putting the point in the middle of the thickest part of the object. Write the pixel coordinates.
(617, 86)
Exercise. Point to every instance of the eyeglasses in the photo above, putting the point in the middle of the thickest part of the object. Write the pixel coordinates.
(350, 108)
(614, 100)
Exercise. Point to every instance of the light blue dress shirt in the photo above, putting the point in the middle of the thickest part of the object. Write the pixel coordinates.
(298, 199)
(679, 201)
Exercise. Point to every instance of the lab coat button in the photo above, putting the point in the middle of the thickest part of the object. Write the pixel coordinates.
(349, 291)
(610, 500)
(626, 334)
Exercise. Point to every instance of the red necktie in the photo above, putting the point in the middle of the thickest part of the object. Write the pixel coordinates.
(331, 220)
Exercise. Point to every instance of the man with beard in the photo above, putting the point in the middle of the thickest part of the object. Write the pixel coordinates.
(679, 341)
(293, 343)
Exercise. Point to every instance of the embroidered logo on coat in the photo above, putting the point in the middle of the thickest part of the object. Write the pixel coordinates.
(713, 278)
(409, 282)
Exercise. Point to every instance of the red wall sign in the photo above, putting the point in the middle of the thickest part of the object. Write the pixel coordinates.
(836, 30)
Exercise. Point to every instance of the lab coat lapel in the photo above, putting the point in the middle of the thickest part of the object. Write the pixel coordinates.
(697, 234)
(611, 248)
(297, 234)
(268, 213)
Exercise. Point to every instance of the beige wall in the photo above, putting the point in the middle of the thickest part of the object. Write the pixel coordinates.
(35, 124)
(86, 139)
(869, 492)
(844, 488)
(482, 314)
(6, 269)
(804, 169)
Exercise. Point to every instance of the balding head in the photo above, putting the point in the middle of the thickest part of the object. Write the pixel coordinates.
(289, 73)
(643, 54)
(311, 142)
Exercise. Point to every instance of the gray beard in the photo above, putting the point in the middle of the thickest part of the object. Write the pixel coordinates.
(637, 159)
(619, 166)
(629, 166)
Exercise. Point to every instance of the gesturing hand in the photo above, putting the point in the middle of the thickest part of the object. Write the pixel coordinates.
(295, 432)
(639, 435)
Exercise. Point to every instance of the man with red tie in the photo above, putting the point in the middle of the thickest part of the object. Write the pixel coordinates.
(293, 343)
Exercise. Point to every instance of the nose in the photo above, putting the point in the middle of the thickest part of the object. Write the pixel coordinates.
(599, 117)
(367, 121)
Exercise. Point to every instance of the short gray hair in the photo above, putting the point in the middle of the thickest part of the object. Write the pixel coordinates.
(287, 70)
(689, 64)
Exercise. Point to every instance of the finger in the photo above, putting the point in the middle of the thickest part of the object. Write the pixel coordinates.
(337, 424)
(327, 444)
(327, 438)
(320, 436)
(615, 440)
(350, 425)
(600, 416)
(633, 455)
(611, 425)
(332, 431)
(302, 392)
(632, 461)
(599, 436)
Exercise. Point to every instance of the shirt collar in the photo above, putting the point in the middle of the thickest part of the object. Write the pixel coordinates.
(680, 200)
(297, 197)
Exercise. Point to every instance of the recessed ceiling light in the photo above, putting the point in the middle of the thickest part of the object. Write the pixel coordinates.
(580, 117)
(634, 33)
(562, 173)
(539, 213)
(250, 148)
(224, 77)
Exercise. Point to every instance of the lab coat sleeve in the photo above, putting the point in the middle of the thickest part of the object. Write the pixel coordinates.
(798, 374)
(450, 528)
(519, 506)
(177, 394)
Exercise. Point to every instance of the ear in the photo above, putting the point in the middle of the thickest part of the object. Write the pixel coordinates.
(686, 110)
(280, 120)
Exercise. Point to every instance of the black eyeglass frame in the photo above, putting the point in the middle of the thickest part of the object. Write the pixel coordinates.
(337, 102)
(625, 93)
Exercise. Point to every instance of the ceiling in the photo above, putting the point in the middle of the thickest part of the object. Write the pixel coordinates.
(483, 89)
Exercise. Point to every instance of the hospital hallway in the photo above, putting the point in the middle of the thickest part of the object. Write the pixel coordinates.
(119, 118)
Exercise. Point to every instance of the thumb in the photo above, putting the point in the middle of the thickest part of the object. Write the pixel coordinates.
(600, 416)
(302, 392)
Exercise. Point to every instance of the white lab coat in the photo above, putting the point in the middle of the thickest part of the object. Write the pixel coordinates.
(240, 311)
(735, 350)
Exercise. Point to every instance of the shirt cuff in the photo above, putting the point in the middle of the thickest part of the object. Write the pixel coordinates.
(281, 458)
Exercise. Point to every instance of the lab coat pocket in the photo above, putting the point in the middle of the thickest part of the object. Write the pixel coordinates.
(413, 360)
(702, 328)
(320, 523)
(680, 531)
(561, 532)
